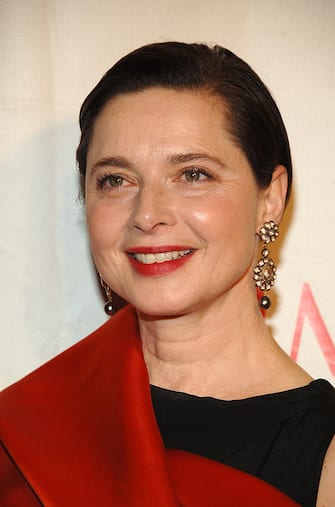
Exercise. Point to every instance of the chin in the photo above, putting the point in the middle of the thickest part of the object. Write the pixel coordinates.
(159, 309)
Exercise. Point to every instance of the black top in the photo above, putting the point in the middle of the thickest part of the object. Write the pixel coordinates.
(281, 438)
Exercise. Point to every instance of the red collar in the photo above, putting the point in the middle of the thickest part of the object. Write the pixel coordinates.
(82, 431)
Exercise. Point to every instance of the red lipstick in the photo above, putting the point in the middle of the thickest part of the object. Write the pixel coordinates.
(159, 268)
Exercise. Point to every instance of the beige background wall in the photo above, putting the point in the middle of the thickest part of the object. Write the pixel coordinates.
(51, 54)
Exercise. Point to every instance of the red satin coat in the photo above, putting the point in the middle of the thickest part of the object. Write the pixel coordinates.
(81, 431)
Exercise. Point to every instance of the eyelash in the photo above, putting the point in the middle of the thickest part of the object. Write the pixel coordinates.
(197, 171)
(103, 179)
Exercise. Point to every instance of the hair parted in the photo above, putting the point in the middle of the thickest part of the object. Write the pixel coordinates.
(254, 120)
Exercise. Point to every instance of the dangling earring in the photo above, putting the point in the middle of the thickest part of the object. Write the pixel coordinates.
(265, 270)
(109, 307)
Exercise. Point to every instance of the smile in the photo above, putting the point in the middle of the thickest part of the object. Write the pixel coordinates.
(152, 258)
(159, 261)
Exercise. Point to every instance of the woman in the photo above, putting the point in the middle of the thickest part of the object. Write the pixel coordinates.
(183, 397)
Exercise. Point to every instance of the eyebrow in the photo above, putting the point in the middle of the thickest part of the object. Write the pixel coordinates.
(112, 162)
(174, 159)
(183, 158)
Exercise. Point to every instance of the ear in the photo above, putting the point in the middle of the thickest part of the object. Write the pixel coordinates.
(273, 197)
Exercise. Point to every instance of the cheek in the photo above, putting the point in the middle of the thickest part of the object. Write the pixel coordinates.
(215, 213)
(223, 221)
(103, 225)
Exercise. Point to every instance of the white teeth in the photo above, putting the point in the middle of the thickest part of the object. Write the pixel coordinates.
(151, 258)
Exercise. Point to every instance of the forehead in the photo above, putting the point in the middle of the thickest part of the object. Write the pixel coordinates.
(159, 116)
(164, 106)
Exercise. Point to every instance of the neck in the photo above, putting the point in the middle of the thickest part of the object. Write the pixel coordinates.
(213, 351)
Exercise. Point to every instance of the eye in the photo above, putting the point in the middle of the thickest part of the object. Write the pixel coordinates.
(194, 174)
(112, 180)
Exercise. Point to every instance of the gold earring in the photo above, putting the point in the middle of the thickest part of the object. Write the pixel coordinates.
(265, 269)
(109, 307)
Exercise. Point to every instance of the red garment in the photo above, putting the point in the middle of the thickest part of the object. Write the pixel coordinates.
(81, 430)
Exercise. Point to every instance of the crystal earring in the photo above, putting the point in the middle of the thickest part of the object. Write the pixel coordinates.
(265, 270)
(109, 307)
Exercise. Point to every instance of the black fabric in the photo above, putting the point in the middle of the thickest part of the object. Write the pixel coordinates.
(281, 438)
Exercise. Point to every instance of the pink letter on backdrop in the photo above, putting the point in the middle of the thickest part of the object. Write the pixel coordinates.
(309, 309)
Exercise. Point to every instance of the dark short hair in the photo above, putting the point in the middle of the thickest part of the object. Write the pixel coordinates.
(254, 120)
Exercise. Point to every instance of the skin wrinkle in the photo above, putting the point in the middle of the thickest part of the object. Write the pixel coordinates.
(159, 323)
(191, 318)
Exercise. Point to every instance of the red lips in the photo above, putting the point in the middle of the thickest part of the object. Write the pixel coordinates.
(159, 268)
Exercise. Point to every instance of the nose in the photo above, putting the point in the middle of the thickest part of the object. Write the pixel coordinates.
(154, 208)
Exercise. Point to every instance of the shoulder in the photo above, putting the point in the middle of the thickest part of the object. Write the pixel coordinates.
(326, 493)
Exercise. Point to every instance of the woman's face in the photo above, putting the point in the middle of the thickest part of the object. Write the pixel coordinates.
(172, 205)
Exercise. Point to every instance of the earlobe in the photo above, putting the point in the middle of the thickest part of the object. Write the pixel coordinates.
(275, 196)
